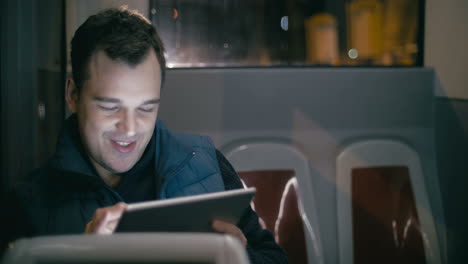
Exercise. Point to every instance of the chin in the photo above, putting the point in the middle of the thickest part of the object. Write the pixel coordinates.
(123, 164)
(122, 168)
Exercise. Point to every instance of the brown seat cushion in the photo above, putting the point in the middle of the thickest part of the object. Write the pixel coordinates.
(386, 226)
(277, 192)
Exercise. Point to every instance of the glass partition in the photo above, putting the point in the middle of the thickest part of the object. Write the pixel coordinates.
(232, 33)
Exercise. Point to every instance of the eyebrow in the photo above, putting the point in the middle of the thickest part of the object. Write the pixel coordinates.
(152, 101)
(106, 99)
(114, 100)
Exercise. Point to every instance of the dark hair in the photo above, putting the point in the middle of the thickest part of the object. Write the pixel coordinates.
(123, 34)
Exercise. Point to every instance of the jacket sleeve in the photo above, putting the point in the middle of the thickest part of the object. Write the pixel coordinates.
(14, 221)
(261, 245)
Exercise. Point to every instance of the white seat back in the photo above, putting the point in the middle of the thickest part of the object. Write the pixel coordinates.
(129, 248)
(377, 153)
(250, 156)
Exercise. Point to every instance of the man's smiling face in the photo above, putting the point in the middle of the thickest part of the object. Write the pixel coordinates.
(117, 109)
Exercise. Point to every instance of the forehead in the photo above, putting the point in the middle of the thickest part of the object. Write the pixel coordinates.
(107, 76)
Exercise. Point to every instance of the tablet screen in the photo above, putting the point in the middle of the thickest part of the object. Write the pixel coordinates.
(186, 214)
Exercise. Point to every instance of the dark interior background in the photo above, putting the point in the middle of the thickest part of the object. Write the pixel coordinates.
(32, 77)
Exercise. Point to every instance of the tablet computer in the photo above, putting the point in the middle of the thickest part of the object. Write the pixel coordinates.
(186, 214)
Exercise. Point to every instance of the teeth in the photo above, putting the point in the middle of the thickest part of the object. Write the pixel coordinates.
(123, 144)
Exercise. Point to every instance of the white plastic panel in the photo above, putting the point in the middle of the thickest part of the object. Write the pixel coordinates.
(374, 153)
(129, 248)
(251, 155)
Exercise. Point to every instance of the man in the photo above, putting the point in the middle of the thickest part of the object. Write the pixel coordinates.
(113, 150)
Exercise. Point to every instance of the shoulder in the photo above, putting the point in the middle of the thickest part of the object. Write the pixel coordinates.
(27, 203)
(230, 177)
(188, 163)
(47, 186)
(173, 145)
(36, 187)
(185, 139)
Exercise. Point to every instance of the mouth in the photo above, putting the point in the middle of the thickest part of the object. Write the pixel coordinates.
(123, 146)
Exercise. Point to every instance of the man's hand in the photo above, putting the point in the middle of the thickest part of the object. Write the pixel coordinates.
(105, 219)
(224, 227)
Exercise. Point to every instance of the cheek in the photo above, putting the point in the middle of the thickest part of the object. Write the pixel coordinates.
(95, 125)
(147, 122)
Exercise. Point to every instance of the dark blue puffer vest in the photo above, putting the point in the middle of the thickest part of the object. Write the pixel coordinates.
(187, 163)
(61, 197)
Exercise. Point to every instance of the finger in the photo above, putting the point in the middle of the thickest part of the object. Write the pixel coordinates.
(110, 217)
(222, 227)
(115, 211)
(112, 225)
(89, 227)
(105, 219)
(228, 228)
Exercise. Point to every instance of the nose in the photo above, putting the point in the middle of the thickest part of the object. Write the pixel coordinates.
(127, 124)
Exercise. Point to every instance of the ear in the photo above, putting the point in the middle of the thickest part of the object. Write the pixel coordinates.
(71, 95)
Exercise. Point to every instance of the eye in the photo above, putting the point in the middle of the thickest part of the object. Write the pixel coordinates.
(108, 108)
(146, 109)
